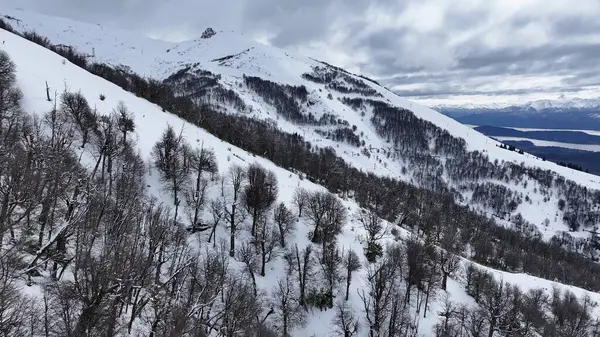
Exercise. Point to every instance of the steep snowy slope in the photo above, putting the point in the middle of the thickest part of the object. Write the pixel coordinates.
(336, 104)
(36, 65)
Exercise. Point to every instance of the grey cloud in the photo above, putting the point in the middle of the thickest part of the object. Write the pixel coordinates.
(399, 55)
(432, 92)
(574, 26)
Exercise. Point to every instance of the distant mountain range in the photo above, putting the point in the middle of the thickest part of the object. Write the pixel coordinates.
(583, 114)
(574, 137)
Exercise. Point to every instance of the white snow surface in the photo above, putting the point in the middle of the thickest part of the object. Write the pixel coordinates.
(35, 65)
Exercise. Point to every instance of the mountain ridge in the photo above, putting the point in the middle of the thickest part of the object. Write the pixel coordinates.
(228, 72)
(557, 105)
(150, 121)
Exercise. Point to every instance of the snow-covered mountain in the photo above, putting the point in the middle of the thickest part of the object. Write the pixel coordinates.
(333, 108)
(367, 126)
(574, 113)
(538, 105)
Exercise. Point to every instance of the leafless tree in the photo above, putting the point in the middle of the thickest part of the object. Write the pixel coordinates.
(266, 240)
(10, 95)
(287, 308)
(236, 179)
(195, 200)
(284, 219)
(240, 307)
(14, 307)
(247, 255)
(352, 264)
(200, 161)
(416, 267)
(327, 215)
(375, 231)
(448, 260)
(304, 267)
(330, 262)
(378, 297)
(345, 321)
(124, 119)
(169, 157)
(77, 107)
(260, 192)
(217, 210)
(301, 199)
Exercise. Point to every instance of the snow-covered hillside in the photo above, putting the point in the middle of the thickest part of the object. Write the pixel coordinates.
(160, 59)
(229, 59)
(38, 67)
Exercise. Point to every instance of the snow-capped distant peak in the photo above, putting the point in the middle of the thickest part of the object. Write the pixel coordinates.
(208, 33)
(536, 105)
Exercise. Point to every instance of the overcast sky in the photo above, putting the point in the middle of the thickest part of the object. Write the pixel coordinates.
(431, 50)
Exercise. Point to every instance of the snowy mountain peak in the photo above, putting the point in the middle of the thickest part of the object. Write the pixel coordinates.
(208, 33)
(559, 104)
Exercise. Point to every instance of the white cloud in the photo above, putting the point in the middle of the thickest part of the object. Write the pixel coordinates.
(454, 48)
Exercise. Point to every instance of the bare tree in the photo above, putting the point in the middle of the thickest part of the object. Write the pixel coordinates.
(200, 161)
(496, 306)
(304, 266)
(266, 240)
(330, 263)
(301, 199)
(375, 231)
(169, 157)
(415, 259)
(345, 321)
(247, 255)
(217, 210)
(448, 260)
(76, 106)
(208, 280)
(284, 219)
(195, 200)
(14, 307)
(327, 215)
(7, 71)
(287, 308)
(260, 192)
(240, 307)
(352, 264)
(10, 95)
(431, 277)
(235, 215)
(378, 297)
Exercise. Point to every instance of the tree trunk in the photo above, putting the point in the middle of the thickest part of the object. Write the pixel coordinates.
(426, 300)
(407, 296)
(176, 199)
(233, 229)
(348, 280)
(264, 257)
(254, 221)
(492, 327)
(281, 235)
(444, 280)
(4, 214)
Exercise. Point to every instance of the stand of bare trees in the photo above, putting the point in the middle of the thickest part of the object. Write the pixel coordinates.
(103, 258)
